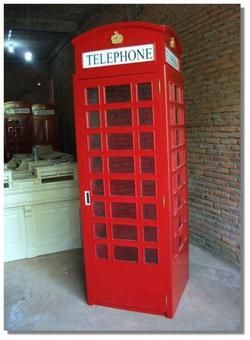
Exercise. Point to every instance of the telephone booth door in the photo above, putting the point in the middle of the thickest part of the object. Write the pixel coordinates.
(125, 167)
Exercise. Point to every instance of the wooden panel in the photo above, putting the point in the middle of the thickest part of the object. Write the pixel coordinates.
(45, 130)
(17, 135)
(14, 234)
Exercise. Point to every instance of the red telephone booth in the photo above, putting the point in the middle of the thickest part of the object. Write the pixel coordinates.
(129, 118)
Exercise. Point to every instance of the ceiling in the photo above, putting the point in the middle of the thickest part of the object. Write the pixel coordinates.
(43, 29)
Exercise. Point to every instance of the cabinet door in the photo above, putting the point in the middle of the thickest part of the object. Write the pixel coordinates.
(50, 129)
(56, 226)
(15, 239)
(39, 133)
(120, 141)
(45, 130)
(18, 134)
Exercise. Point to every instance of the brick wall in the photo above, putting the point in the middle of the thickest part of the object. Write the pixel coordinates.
(210, 38)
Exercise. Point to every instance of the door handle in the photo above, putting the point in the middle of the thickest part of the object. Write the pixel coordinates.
(87, 197)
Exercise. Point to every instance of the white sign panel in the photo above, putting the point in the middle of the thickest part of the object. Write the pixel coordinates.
(171, 59)
(118, 56)
(40, 112)
(17, 111)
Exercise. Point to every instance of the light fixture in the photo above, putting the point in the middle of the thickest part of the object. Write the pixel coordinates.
(11, 48)
(10, 44)
(28, 56)
(39, 84)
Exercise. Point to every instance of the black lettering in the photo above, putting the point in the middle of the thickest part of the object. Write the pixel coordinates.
(123, 56)
(101, 59)
(149, 53)
(131, 55)
(96, 59)
(140, 53)
(109, 57)
(116, 55)
(88, 56)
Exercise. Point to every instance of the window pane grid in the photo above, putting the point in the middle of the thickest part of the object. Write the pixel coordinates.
(142, 129)
(105, 170)
(137, 171)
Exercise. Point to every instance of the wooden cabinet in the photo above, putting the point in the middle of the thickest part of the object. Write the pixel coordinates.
(38, 229)
(25, 126)
(17, 128)
(45, 125)
(45, 130)
(18, 138)
(41, 217)
(15, 239)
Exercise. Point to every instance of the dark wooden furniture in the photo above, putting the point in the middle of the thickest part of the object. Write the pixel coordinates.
(17, 128)
(25, 126)
(45, 125)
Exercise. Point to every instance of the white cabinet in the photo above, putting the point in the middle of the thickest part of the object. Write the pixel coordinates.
(41, 217)
(57, 227)
(14, 234)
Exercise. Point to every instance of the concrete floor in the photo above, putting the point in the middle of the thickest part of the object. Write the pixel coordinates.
(46, 294)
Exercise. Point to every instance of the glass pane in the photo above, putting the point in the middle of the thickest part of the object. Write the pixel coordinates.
(171, 95)
(147, 165)
(96, 164)
(178, 158)
(151, 255)
(118, 93)
(100, 230)
(150, 234)
(181, 116)
(120, 117)
(179, 221)
(176, 137)
(149, 211)
(101, 251)
(144, 91)
(98, 209)
(176, 115)
(124, 232)
(123, 210)
(175, 93)
(92, 95)
(94, 142)
(178, 180)
(126, 253)
(146, 140)
(121, 164)
(145, 116)
(122, 187)
(148, 188)
(180, 241)
(120, 141)
(97, 187)
(93, 119)
(179, 200)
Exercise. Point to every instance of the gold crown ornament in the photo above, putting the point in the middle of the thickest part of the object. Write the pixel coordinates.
(172, 42)
(116, 38)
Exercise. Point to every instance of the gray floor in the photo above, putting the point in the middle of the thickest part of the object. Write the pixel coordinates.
(46, 294)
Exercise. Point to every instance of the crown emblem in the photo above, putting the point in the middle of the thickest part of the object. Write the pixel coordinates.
(172, 42)
(117, 38)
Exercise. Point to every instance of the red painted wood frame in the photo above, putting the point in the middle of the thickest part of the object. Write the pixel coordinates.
(132, 174)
